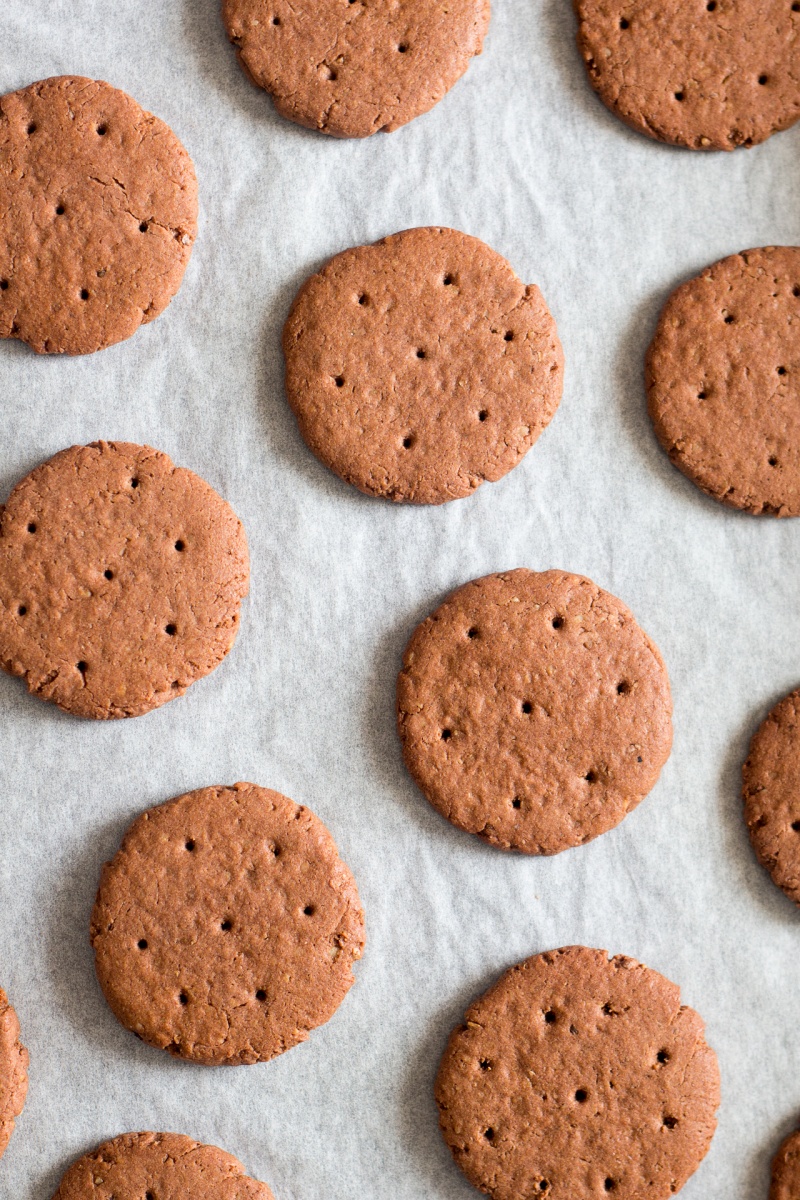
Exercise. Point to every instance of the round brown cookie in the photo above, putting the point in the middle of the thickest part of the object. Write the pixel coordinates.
(533, 710)
(707, 74)
(421, 366)
(13, 1071)
(723, 380)
(158, 1166)
(771, 789)
(98, 212)
(786, 1170)
(121, 577)
(351, 68)
(578, 1076)
(226, 927)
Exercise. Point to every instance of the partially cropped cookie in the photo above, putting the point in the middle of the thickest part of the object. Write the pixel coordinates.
(771, 788)
(707, 74)
(786, 1170)
(533, 710)
(723, 380)
(353, 68)
(121, 578)
(226, 926)
(13, 1071)
(578, 1076)
(158, 1166)
(421, 366)
(98, 213)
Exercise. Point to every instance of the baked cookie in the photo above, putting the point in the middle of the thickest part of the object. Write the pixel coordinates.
(421, 366)
(351, 68)
(98, 213)
(576, 1076)
(158, 1166)
(13, 1071)
(226, 926)
(723, 380)
(533, 710)
(771, 789)
(786, 1170)
(121, 577)
(707, 74)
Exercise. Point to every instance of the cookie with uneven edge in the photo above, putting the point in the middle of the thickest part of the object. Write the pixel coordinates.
(159, 1166)
(577, 1076)
(723, 380)
(13, 1071)
(705, 74)
(421, 366)
(352, 69)
(121, 578)
(533, 711)
(98, 213)
(771, 789)
(226, 926)
(786, 1170)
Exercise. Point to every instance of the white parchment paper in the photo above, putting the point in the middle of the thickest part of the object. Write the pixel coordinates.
(523, 155)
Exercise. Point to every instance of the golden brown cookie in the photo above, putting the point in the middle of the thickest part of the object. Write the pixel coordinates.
(158, 1166)
(226, 926)
(13, 1071)
(577, 1076)
(353, 67)
(121, 577)
(723, 380)
(771, 788)
(708, 74)
(786, 1169)
(98, 213)
(421, 366)
(533, 710)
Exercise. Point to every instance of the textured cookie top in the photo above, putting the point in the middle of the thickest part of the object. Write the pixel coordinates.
(786, 1170)
(353, 67)
(578, 1076)
(421, 366)
(723, 380)
(98, 212)
(708, 74)
(121, 577)
(771, 788)
(226, 926)
(13, 1071)
(533, 710)
(158, 1166)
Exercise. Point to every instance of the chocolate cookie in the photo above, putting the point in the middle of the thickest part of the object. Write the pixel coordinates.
(771, 789)
(98, 213)
(420, 366)
(708, 74)
(351, 69)
(121, 577)
(158, 1166)
(576, 1076)
(13, 1071)
(786, 1170)
(533, 710)
(723, 380)
(226, 927)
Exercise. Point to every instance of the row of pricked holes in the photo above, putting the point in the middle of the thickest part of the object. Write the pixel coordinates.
(710, 7)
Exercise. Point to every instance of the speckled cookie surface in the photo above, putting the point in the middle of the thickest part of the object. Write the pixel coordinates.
(723, 380)
(707, 74)
(786, 1170)
(226, 927)
(121, 577)
(353, 67)
(421, 366)
(158, 1166)
(771, 789)
(533, 710)
(577, 1076)
(13, 1071)
(98, 213)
